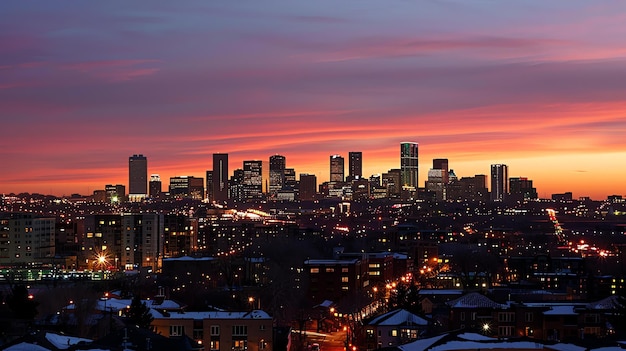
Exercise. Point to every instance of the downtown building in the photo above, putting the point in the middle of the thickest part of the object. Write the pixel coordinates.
(337, 174)
(219, 175)
(277, 173)
(137, 178)
(499, 182)
(187, 187)
(409, 166)
(252, 179)
(355, 165)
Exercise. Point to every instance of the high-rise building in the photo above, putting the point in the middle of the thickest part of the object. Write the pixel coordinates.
(392, 182)
(409, 164)
(235, 185)
(437, 181)
(187, 187)
(521, 188)
(355, 165)
(308, 187)
(209, 185)
(137, 177)
(336, 168)
(220, 177)
(499, 182)
(156, 187)
(252, 178)
(290, 179)
(277, 173)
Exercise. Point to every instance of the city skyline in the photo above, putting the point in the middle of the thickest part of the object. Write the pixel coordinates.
(535, 86)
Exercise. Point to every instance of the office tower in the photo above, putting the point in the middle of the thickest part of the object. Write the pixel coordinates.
(499, 182)
(355, 165)
(155, 186)
(187, 187)
(392, 181)
(253, 178)
(220, 177)
(290, 179)
(409, 164)
(521, 188)
(137, 177)
(308, 187)
(438, 179)
(235, 185)
(209, 185)
(277, 173)
(336, 168)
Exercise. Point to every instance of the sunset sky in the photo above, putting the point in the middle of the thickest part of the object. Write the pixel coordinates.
(537, 85)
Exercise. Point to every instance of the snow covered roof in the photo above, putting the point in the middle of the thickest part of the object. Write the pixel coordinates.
(561, 311)
(255, 314)
(475, 337)
(398, 317)
(421, 344)
(474, 300)
(25, 346)
(608, 303)
(113, 304)
(63, 341)
(565, 347)
(475, 345)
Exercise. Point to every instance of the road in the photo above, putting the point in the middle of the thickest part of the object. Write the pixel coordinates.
(334, 341)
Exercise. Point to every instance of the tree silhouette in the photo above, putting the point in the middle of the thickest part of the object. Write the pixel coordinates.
(21, 303)
(139, 314)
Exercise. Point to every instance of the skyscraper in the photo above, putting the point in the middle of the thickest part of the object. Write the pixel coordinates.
(521, 188)
(252, 178)
(308, 187)
(156, 186)
(277, 173)
(336, 168)
(137, 177)
(220, 177)
(409, 164)
(355, 165)
(499, 182)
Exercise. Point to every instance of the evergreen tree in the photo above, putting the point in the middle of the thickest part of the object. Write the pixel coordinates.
(139, 314)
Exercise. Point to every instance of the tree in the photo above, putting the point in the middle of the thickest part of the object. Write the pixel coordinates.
(21, 303)
(139, 314)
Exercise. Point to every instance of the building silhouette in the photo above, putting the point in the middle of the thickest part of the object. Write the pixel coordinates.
(355, 165)
(499, 182)
(137, 177)
(187, 187)
(409, 165)
(277, 173)
(156, 186)
(220, 177)
(252, 179)
(336, 168)
(308, 187)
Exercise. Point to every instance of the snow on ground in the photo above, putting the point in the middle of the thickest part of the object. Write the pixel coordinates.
(63, 342)
(26, 347)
